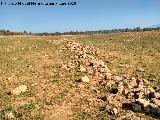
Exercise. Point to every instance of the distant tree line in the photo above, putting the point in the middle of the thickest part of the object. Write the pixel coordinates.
(137, 29)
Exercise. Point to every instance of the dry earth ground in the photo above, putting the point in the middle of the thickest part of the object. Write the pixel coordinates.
(51, 71)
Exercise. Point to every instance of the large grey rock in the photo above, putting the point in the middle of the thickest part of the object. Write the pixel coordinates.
(135, 107)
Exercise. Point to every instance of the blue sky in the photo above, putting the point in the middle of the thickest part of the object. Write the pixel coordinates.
(86, 15)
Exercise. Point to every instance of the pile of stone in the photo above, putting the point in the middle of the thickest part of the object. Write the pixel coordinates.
(125, 91)
(87, 62)
(141, 96)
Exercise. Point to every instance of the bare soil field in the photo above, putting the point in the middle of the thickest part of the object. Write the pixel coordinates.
(92, 77)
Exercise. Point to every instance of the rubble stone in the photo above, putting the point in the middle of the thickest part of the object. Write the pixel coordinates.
(125, 91)
(146, 81)
(154, 95)
(156, 101)
(115, 111)
(108, 108)
(153, 105)
(132, 83)
(140, 85)
(20, 89)
(120, 87)
(140, 94)
(136, 90)
(108, 75)
(143, 102)
(118, 78)
(130, 95)
(82, 69)
(85, 79)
